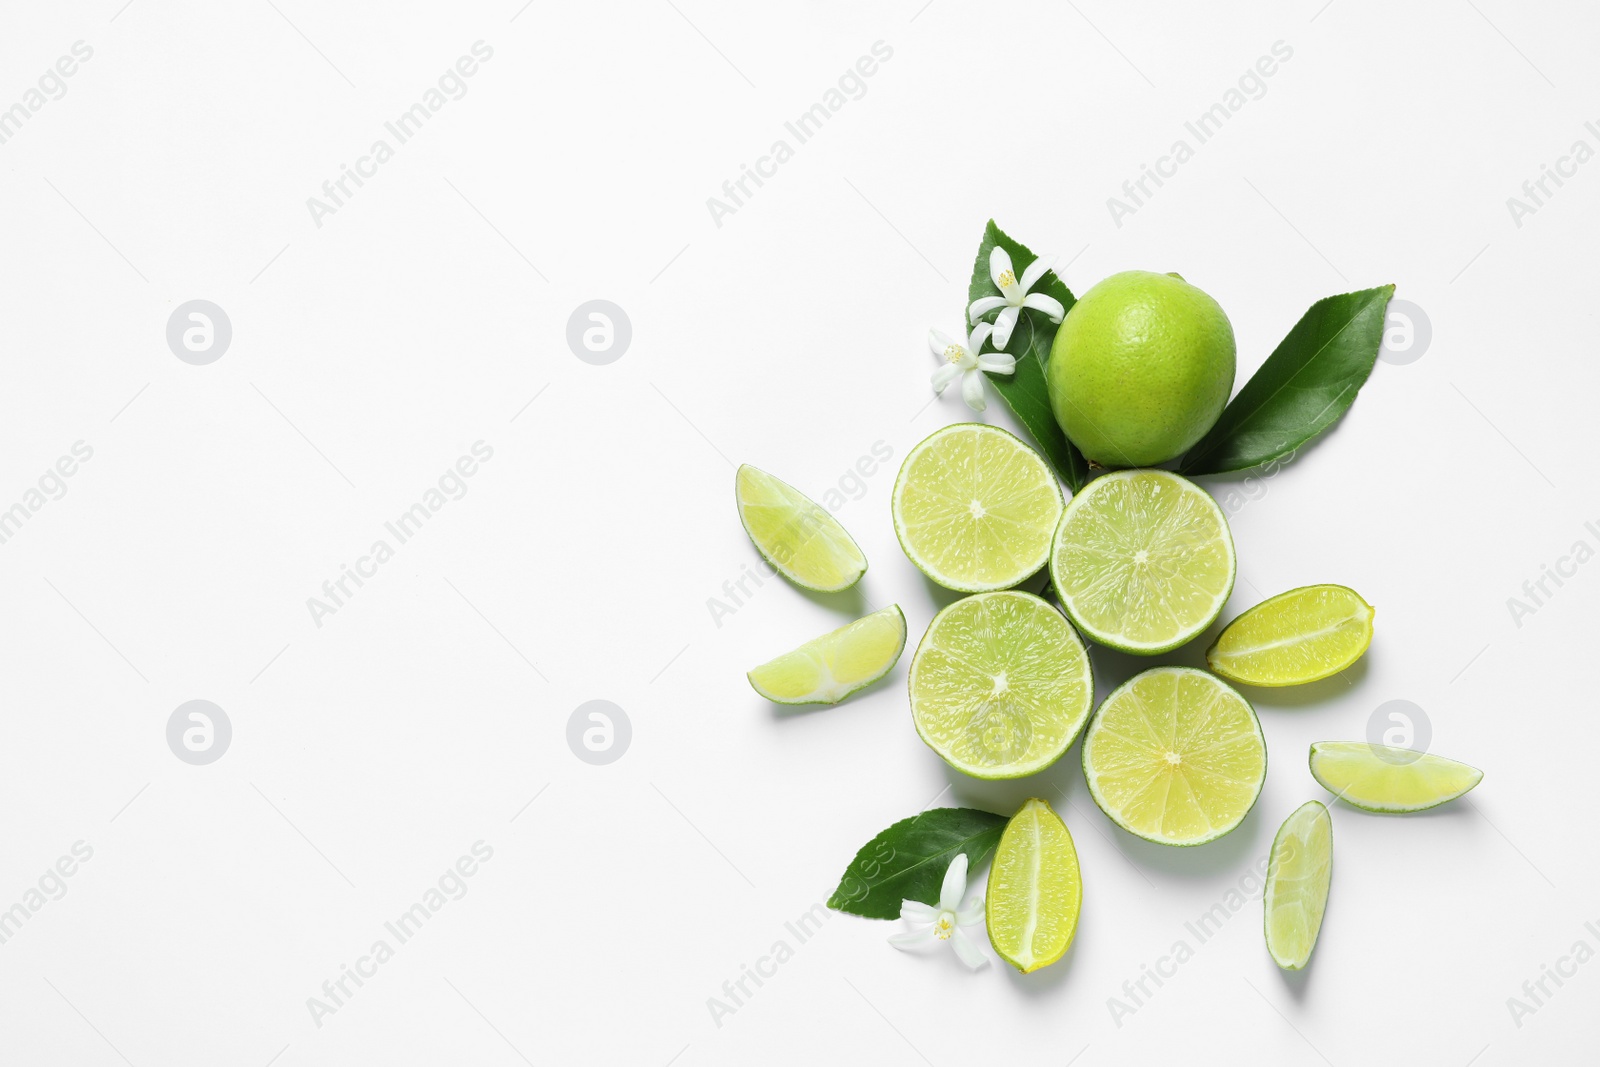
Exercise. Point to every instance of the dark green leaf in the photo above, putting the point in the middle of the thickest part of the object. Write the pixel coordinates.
(1030, 342)
(908, 860)
(1302, 388)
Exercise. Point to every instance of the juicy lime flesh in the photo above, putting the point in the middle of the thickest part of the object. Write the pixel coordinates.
(1175, 756)
(1035, 889)
(1295, 637)
(1000, 685)
(1298, 875)
(795, 534)
(1381, 778)
(975, 508)
(829, 668)
(1142, 366)
(1143, 560)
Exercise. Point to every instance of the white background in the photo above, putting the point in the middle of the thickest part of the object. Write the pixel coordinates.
(371, 752)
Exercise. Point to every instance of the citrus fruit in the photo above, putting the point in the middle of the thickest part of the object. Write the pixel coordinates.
(1298, 873)
(1140, 369)
(1035, 890)
(1389, 780)
(974, 508)
(1143, 560)
(1175, 756)
(796, 535)
(829, 668)
(1000, 685)
(1295, 637)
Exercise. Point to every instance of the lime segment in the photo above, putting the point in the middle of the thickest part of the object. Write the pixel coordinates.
(1298, 874)
(797, 536)
(975, 508)
(1035, 889)
(1175, 756)
(1143, 560)
(1000, 685)
(1295, 637)
(1389, 780)
(829, 668)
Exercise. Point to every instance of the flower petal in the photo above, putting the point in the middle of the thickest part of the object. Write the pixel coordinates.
(999, 263)
(938, 341)
(1035, 271)
(912, 938)
(944, 376)
(1047, 304)
(918, 912)
(980, 333)
(997, 362)
(1004, 323)
(972, 393)
(972, 914)
(966, 947)
(983, 305)
(955, 884)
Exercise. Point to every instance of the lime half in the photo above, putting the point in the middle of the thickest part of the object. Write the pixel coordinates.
(974, 508)
(1142, 560)
(1295, 637)
(1000, 685)
(1035, 890)
(796, 535)
(1389, 780)
(1175, 756)
(829, 668)
(1298, 874)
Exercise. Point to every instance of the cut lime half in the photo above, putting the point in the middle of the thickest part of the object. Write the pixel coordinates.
(1142, 561)
(1295, 637)
(974, 508)
(795, 534)
(1176, 756)
(1389, 780)
(1000, 685)
(829, 668)
(1298, 874)
(1035, 889)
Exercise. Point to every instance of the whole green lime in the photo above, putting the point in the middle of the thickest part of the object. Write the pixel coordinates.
(1140, 369)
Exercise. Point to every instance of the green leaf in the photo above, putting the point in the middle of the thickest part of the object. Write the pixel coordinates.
(908, 860)
(1024, 391)
(1302, 388)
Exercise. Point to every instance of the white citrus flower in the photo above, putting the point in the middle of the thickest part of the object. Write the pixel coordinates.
(963, 361)
(961, 928)
(1014, 295)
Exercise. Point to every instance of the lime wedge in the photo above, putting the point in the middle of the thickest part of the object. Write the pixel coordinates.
(805, 543)
(1295, 637)
(1000, 685)
(974, 508)
(1175, 756)
(1142, 560)
(829, 668)
(1389, 780)
(1297, 884)
(1035, 890)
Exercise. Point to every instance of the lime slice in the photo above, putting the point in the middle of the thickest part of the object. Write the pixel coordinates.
(1175, 756)
(1143, 560)
(1389, 780)
(805, 543)
(1295, 637)
(1000, 685)
(1035, 890)
(829, 668)
(1297, 884)
(974, 508)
